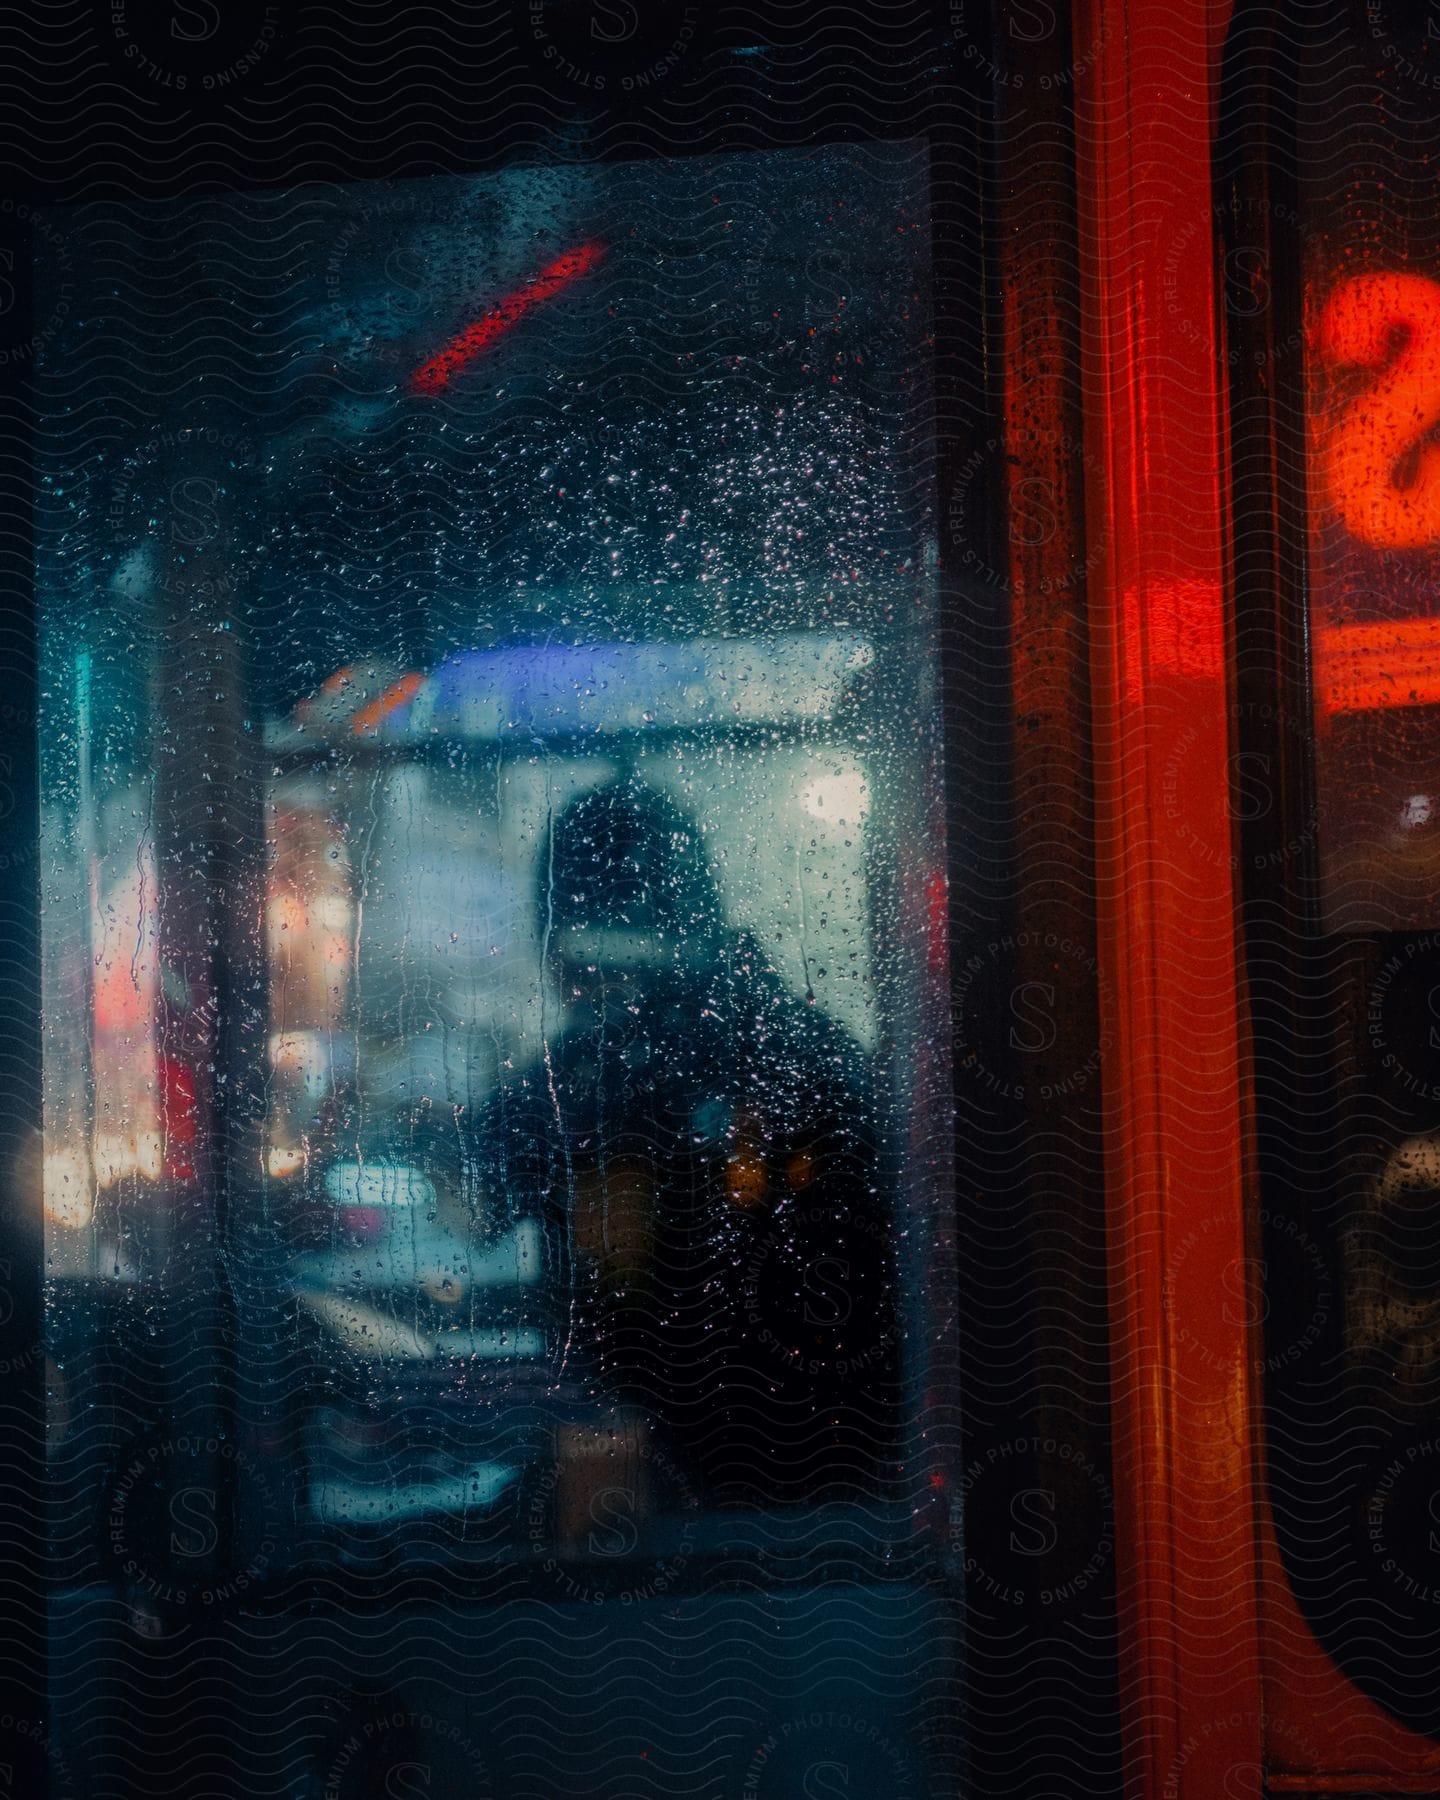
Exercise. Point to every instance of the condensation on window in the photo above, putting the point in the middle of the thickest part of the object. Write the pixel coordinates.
(494, 960)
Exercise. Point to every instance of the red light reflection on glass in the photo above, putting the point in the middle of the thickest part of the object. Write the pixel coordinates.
(476, 338)
(1381, 473)
(1367, 668)
(1174, 632)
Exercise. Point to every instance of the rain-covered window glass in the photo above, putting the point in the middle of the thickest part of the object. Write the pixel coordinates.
(495, 1140)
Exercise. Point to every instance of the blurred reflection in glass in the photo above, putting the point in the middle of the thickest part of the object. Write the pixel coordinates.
(700, 1144)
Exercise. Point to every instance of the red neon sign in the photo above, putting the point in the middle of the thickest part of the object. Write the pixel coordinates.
(477, 337)
(1381, 473)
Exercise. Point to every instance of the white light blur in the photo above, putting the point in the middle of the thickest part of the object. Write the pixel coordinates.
(68, 1198)
(841, 798)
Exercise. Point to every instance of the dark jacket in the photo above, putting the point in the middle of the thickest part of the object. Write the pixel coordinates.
(708, 1161)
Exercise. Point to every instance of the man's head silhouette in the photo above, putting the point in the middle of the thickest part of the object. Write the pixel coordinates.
(626, 898)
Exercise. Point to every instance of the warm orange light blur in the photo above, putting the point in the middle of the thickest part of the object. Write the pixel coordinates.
(371, 717)
(746, 1179)
(800, 1170)
(1379, 472)
(311, 920)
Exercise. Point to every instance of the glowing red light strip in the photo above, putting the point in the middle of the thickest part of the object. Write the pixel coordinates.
(430, 377)
(1370, 668)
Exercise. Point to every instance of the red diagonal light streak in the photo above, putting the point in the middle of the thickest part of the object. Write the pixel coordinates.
(476, 338)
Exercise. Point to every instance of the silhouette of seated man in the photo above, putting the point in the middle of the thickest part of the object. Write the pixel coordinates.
(703, 1146)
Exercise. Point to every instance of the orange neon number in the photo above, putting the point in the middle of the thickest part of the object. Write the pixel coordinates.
(1381, 474)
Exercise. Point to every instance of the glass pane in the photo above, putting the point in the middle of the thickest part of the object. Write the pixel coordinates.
(1345, 894)
(494, 966)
